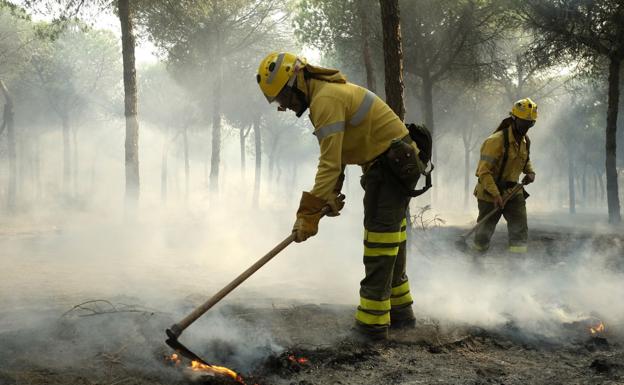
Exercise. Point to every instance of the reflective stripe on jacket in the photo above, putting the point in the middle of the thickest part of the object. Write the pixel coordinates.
(490, 162)
(352, 125)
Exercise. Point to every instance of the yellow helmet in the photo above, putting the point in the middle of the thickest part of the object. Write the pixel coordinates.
(525, 109)
(276, 70)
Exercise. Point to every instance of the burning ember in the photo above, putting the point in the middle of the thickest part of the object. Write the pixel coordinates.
(300, 360)
(173, 359)
(597, 329)
(203, 369)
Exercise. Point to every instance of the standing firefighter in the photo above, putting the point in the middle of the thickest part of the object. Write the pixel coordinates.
(504, 156)
(354, 126)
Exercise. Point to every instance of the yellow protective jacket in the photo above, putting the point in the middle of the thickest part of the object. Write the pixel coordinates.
(490, 162)
(352, 125)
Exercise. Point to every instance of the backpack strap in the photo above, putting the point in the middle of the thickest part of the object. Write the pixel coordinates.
(528, 145)
(505, 155)
(427, 186)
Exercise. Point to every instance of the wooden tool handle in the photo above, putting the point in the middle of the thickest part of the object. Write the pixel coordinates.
(189, 319)
(488, 215)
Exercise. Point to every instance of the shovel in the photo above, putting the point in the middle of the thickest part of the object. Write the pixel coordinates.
(461, 243)
(176, 330)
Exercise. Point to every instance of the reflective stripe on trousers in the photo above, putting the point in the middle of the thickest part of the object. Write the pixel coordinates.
(517, 228)
(520, 249)
(384, 254)
(401, 296)
(384, 291)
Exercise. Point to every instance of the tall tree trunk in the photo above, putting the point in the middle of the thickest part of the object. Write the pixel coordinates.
(602, 188)
(595, 194)
(187, 167)
(466, 173)
(8, 123)
(258, 155)
(66, 155)
(520, 78)
(37, 166)
(216, 134)
(75, 160)
(130, 97)
(584, 187)
(241, 143)
(271, 164)
(613, 200)
(293, 181)
(215, 158)
(22, 154)
(163, 172)
(366, 54)
(92, 172)
(427, 93)
(427, 105)
(571, 187)
(393, 55)
(176, 177)
(206, 162)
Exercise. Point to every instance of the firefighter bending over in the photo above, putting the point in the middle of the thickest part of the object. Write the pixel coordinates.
(504, 156)
(354, 126)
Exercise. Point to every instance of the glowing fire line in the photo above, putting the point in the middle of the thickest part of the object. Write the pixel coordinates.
(212, 370)
(222, 370)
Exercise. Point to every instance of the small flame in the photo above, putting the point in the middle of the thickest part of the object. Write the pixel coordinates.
(197, 366)
(300, 360)
(211, 370)
(600, 328)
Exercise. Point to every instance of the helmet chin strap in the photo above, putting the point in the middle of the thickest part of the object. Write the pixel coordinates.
(293, 77)
(300, 94)
(302, 101)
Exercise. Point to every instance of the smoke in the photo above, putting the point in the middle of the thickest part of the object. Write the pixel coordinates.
(561, 280)
(66, 247)
(171, 260)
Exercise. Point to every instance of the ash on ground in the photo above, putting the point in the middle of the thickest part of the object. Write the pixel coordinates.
(287, 343)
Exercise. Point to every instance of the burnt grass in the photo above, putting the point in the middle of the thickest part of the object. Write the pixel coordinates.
(310, 345)
(429, 354)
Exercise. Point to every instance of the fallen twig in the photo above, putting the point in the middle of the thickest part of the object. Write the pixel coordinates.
(101, 306)
(113, 358)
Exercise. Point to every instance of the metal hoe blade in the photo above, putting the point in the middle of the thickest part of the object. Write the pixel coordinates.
(460, 242)
(174, 332)
(176, 345)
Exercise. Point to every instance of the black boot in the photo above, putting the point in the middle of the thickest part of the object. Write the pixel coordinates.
(409, 323)
(367, 334)
(402, 318)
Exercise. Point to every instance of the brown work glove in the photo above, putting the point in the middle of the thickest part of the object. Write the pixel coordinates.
(308, 216)
(528, 179)
(336, 204)
(498, 202)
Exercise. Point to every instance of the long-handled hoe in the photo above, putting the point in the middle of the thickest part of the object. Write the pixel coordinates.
(461, 243)
(176, 330)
